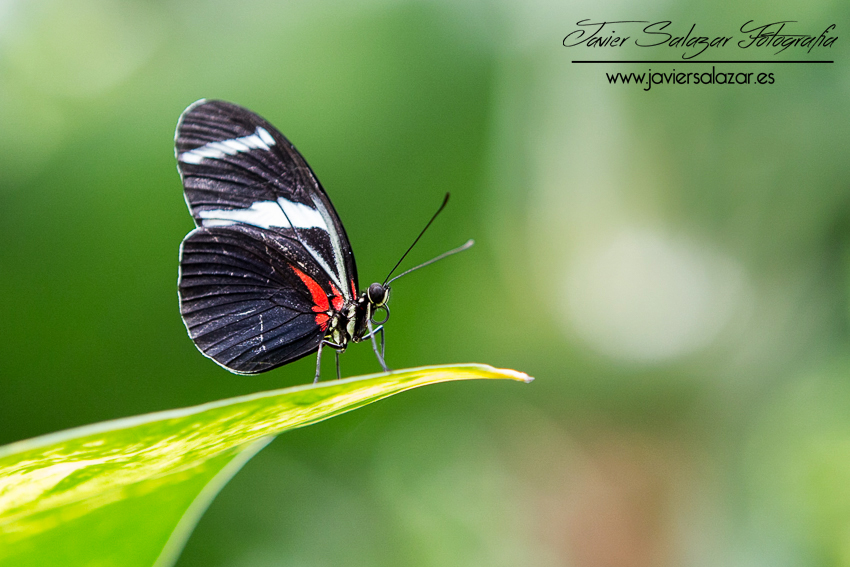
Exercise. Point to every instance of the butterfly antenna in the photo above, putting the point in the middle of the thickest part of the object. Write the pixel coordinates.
(443, 206)
(466, 245)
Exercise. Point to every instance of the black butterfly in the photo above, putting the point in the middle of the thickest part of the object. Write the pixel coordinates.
(268, 276)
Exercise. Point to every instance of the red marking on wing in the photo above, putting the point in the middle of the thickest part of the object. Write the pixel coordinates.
(337, 300)
(353, 289)
(322, 320)
(320, 300)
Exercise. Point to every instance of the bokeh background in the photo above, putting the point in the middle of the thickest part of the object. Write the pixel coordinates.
(672, 266)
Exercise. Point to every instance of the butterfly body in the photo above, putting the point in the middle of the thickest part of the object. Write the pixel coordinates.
(351, 323)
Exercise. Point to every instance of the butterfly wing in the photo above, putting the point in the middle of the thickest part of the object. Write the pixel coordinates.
(249, 300)
(269, 257)
(238, 169)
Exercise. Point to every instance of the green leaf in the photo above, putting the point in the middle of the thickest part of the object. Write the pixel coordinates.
(129, 492)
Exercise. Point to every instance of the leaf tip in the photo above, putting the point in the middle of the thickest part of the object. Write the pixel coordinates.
(517, 375)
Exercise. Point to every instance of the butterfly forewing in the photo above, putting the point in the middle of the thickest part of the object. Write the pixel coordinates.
(238, 169)
(270, 257)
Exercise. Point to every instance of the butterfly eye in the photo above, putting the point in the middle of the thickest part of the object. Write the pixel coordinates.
(386, 312)
(378, 294)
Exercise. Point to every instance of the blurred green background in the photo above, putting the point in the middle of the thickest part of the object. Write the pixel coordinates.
(672, 266)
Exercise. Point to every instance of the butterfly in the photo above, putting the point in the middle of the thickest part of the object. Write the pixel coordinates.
(268, 276)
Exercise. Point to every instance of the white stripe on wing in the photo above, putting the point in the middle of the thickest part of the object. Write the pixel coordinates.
(260, 139)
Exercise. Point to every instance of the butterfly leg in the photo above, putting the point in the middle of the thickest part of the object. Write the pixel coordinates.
(338, 375)
(318, 362)
(375, 346)
(374, 330)
(383, 344)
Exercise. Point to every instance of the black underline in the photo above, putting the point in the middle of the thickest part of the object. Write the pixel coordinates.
(692, 61)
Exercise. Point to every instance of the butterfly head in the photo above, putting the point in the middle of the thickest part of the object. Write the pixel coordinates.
(378, 294)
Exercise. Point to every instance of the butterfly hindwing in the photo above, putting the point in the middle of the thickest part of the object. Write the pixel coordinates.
(250, 300)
